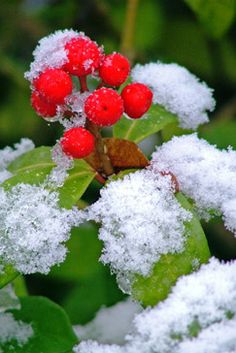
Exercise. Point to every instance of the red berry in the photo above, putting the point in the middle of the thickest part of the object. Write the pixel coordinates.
(104, 107)
(41, 106)
(83, 55)
(54, 85)
(114, 69)
(137, 99)
(77, 142)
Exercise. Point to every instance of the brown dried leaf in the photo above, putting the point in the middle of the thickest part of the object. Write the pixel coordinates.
(123, 154)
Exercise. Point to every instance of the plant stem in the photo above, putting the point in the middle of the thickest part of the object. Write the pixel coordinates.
(127, 42)
(105, 163)
(106, 167)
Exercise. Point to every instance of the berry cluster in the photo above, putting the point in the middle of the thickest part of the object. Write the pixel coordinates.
(52, 88)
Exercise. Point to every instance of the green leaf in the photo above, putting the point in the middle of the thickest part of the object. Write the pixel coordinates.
(34, 166)
(90, 294)
(150, 290)
(7, 274)
(220, 133)
(76, 184)
(215, 15)
(53, 332)
(84, 250)
(137, 130)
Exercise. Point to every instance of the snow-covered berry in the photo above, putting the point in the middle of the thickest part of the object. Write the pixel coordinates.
(137, 99)
(41, 106)
(77, 142)
(104, 107)
(83, 56)
(53, 85)
(114, 69)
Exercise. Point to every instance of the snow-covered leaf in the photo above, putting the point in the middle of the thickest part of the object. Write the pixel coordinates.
(154, 288)
(34, 166)
(52, 331)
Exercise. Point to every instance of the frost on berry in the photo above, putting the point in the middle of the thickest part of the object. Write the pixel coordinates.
(104, 107)
(50, 52)
(8, 154)
(179, 91)
(53, 85)
(137, 99)
(77, 142)
(198, 316)
(140, 220)
(205, 174)
(33, 228)
(114, 69)
(83, 56)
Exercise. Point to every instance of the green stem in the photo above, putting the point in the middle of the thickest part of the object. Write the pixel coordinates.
(127, 42)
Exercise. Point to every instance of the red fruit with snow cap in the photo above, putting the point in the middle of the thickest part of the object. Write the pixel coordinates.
(84, 56)
(137, 99)
(53, 85)
(104, 107)
(114, 69)
(77, 142)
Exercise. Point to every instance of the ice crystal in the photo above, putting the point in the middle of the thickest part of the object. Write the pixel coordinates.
(229, 214)
(205, 173)
(179, 91)
(140, 220)
(50, 52)
(33, 228)
(14, 330)
(63, 163)
(75, 104)
(198, 316)
(8, 299)
(110, 324)
(8, 154)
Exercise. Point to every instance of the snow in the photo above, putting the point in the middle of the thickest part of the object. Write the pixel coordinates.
(205, 174)
(8, 299)
(229, 214)
(10, 329)
(8, 154)
(140, 220)
(33, 228)
(205, 300)
(110, 324)
(75, 104)
(179, 91)
(63, 163)
(50, 52)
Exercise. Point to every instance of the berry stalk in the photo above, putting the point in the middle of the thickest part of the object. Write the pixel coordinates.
(106, 168)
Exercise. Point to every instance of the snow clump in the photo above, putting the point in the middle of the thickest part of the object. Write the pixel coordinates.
(205, 174)
(140, 220)
(198, 316)
(50, 52)
(33, 228)
(179, 91)
(110, 324)
(14, 330)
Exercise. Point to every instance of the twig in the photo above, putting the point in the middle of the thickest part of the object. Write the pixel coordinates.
(127, 42)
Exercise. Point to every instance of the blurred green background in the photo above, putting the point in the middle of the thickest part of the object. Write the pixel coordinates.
(198, 34)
